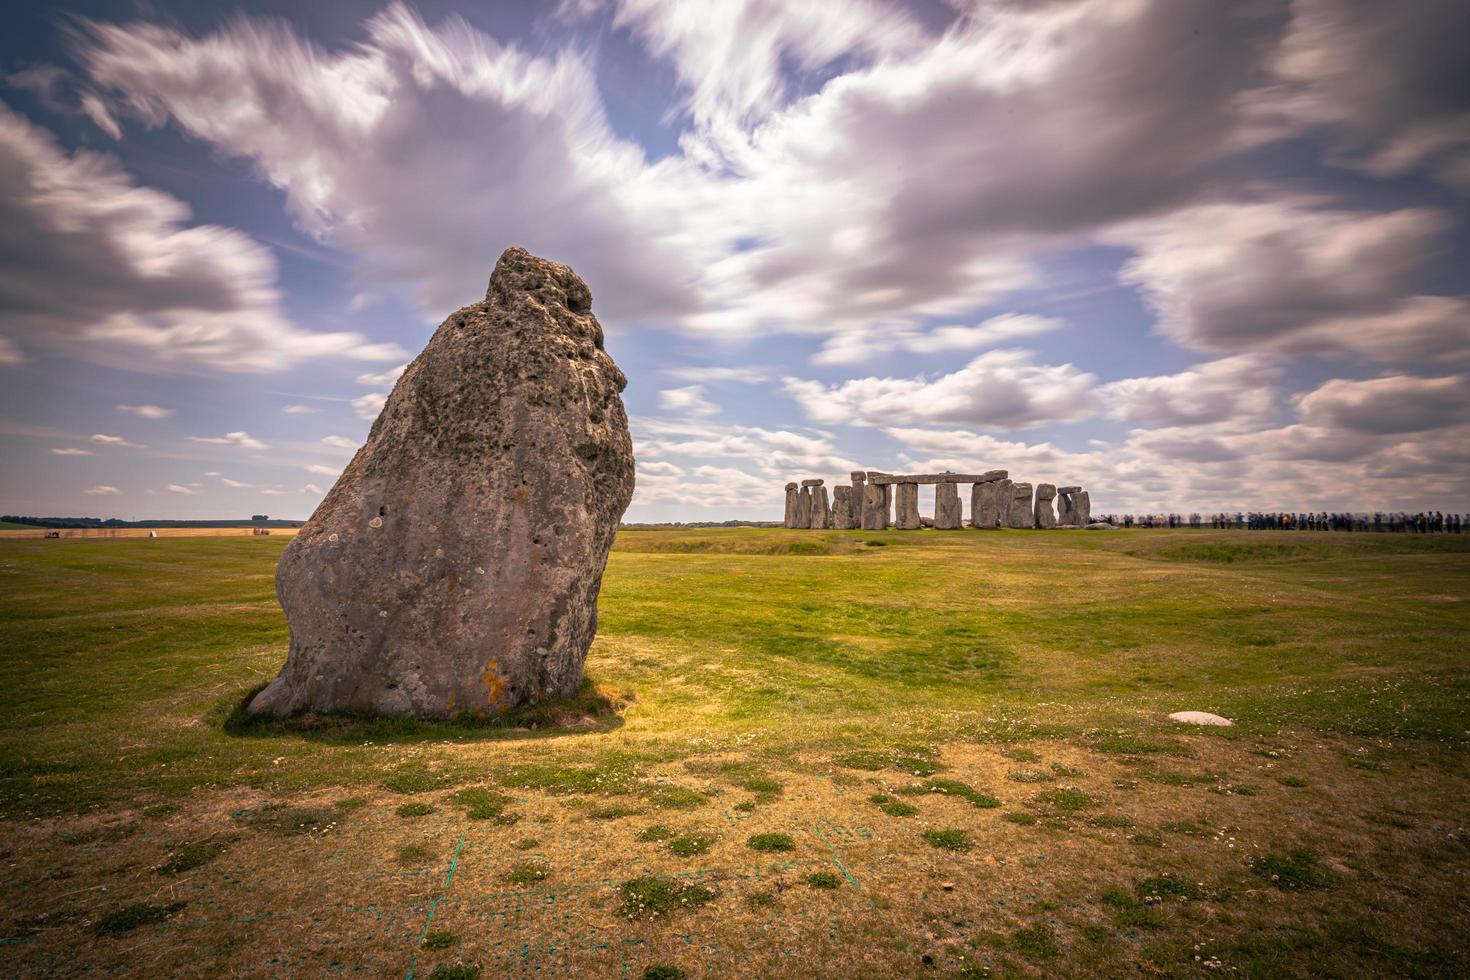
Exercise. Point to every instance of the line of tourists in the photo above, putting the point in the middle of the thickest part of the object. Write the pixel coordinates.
(1394, 522)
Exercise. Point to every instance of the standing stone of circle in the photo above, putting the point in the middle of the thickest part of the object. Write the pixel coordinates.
(947, 513)
(791, 496)
(821, 513)
(804, 507)
(875, 508)
(1067, 506)
(1084, 509)
(1002, 503)
(982, 503)
(454, 566)
(842, 508)
(906, 507)
(859, 480)
(1020, 512)
(1045, 516)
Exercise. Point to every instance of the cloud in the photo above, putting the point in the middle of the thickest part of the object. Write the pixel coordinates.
(1293, 276)
(860, 345)
(714, 375)
(232, 483)
(1386, 81)
(382, 378)
(10, 353)
(102, 490)
(422, 151)
(71, 452)
(321, 470)
(242, 439)
(118, 441)
(1388, 405)
(1237, 389)
(311, 488)
(368, 406)
(688, 401)
(176, 488)
(731, 56)
(773, 452)
(340, 442)
(105, 268)
(299, 410)
(915, 182)
(1001, 388)
(146, 411)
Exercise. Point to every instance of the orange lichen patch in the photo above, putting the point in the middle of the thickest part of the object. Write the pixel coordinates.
(493, 682)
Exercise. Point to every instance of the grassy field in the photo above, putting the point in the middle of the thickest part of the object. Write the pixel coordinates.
(801, 753)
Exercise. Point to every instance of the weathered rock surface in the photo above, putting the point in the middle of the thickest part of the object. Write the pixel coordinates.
(1045, 516)
(791, 495)
(1101, 526)
(875, 507)
(821, 513)
(1201, 718)
(842, 508)
(1003, 496)
(454, 566)
(889, 479)
(1066, 507)
(947, 514)
(1020, 512)
(1084, 508)
(804, 507)
(906, 507)
(982, 504)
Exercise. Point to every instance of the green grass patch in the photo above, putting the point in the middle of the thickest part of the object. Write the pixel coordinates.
(948, 840)
(414, 810)
(1298, 869)
(526, 873)
(952, 787)
(438, 939)
(688, 845)
(771, 842)
(482, 803)
(284, 820)
(898, 808)
(824, 879)
(651, 897)
(676, 798)
(131, 917)
(191, 855)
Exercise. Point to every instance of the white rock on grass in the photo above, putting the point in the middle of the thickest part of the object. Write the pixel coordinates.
(1200, 718)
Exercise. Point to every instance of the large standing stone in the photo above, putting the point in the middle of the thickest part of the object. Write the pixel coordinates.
(982, 504)
(875, 508)
(791, 497)
(821, 513)
(804, 507)
(1066, 507)
(1020, 511)
(906, 507)
(1084, 508)
(947, 513)
(859, 480)
(1045, 516)
(842, 508)
(454, 566)
(1002, 504)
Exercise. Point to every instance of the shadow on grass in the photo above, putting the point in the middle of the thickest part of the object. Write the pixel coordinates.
(588, 712)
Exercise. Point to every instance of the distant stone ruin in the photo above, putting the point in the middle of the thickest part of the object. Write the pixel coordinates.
(876, 501)
(455, 565)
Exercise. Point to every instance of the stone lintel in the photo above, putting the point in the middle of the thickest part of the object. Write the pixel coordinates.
(1062, 490)
(885, 479)
(812, 483)
(790, 486)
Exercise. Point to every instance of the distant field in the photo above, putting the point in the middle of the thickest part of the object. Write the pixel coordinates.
(12, 526)
(838, 754)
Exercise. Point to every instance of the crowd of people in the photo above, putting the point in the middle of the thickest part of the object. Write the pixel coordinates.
(1395, 522)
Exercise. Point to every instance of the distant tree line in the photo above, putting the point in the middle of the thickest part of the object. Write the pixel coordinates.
(86, 522)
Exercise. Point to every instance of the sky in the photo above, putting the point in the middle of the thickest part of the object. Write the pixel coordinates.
(1191, 255)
